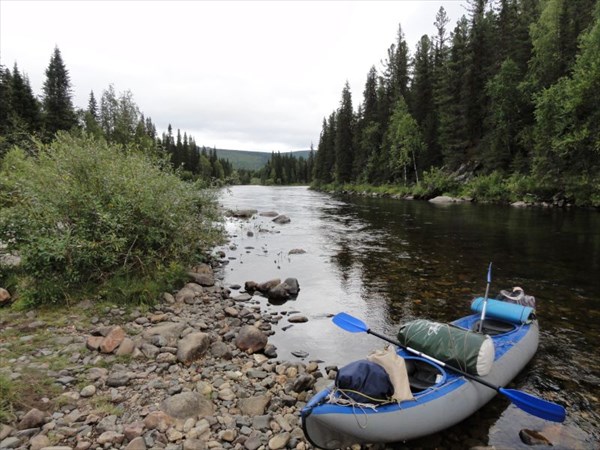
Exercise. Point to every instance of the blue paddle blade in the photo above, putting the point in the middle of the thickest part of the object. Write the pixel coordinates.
(489, 276)
(349, 323)
(536, 406)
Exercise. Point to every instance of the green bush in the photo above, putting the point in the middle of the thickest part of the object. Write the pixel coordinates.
(488, 188)
(435, 182)
(82, 212)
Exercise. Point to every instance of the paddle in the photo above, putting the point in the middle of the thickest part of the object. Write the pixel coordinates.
(487, 291)
(527, 402)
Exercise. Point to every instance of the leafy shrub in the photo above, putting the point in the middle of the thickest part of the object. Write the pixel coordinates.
(82, 212)
(435, 182)
(488, 188)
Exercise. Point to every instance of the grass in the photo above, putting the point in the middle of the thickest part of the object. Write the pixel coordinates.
(25, 392)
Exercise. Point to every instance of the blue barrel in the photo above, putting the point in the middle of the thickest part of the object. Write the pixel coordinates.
(508, 312)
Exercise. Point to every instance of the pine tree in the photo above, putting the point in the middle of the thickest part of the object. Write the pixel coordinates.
(59, 113)
(344, 151)
(5, 100)
(25, 107)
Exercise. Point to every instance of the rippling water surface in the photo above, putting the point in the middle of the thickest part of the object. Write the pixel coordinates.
(389, 261)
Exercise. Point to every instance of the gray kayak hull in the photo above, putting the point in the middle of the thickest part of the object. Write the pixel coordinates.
(451, 401)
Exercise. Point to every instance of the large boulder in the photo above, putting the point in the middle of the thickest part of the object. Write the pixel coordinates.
(169, 331)
(186, 405)
(112, 340)
(250, 339)
(254, 406)
(192, 347)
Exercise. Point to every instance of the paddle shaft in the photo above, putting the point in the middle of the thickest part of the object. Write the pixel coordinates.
(487, 291)
(430, 358)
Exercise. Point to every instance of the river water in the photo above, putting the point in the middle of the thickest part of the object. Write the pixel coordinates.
(389, 261)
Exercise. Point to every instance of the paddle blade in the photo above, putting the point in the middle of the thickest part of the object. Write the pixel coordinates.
(489, 275)
(535, 405)
(347, 322)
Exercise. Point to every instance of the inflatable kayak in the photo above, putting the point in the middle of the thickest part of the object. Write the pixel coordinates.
(441, 396)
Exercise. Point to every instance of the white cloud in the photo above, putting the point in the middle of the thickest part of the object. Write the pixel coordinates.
(247, 75)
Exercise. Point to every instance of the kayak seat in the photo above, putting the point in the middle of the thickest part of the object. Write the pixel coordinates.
(421, 374)
(493, 327)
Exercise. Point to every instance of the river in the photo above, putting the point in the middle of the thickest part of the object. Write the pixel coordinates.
(389, 261)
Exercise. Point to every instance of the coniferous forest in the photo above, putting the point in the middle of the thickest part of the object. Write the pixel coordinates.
(504, 106)
(114, 117)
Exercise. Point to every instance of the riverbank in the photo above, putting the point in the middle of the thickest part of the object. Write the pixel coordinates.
(488, 190)
(195, 371)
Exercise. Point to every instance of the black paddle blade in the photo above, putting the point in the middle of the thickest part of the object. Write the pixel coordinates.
(349, 323)
(535, 405)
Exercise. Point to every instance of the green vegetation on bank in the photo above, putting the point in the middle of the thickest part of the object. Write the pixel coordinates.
(512, 93)
(492, 188)
(95, 219)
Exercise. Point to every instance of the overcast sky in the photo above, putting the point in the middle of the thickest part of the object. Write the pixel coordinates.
(237, 75)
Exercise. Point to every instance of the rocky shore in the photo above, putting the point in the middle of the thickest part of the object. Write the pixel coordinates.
(193, 372)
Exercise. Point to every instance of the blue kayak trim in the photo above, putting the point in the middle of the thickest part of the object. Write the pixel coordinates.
(450, 379)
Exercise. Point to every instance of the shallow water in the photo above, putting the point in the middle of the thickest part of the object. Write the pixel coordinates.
(389, 261)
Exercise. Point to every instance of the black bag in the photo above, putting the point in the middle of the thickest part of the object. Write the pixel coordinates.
(365, 382)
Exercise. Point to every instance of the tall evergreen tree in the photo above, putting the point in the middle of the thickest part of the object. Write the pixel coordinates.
(344, 151)
(422, 100)
(25, 107)
(59, 113)
(396, 69)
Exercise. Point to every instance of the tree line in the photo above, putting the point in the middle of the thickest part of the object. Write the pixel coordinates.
(512, 91)
(115, 118)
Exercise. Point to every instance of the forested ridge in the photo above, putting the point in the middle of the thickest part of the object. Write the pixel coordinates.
(503, 107)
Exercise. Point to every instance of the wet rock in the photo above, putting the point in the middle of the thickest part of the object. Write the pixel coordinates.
(242, 297)
(297, 319)
(296, 251)
(300, 353)
(187, 404)
(269, 214)
(192, 347)
(293, 287)
(243, 213)
(251, 339)
(282, 219)
(532, 437)
(33, 419)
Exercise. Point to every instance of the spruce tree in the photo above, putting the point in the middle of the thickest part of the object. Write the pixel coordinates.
(24, 106)
(344, 151)
(59, 113)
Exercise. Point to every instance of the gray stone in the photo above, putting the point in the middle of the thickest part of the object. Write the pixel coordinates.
(254, 406)
(193, 444)
(187, 404)
(33, 419)
(169, 330)
(279, 441)
(192, 347)
(137, 443)
(10, 442)
(282, 219)
(38, 442)
(250, 339)
(88, 391)
(117, 379)
(298, 319)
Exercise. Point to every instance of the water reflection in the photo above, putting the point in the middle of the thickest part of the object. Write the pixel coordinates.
(389, 261)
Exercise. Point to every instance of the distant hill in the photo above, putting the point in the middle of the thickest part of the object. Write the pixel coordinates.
(241, 159)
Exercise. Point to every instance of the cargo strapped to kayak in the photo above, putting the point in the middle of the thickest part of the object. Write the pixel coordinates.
(469, 351)
(508, 312)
